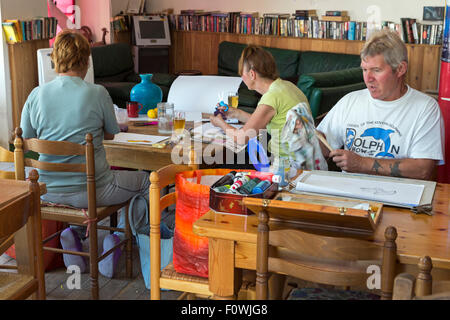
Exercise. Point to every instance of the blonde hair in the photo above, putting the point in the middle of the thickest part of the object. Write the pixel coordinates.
(70, 52)
(389, 44)
(258, 60)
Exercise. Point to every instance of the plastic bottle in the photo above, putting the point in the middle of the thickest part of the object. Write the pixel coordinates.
(223, 189)
(240, 181)
(261, 187)
(226, 179)
(248, 187)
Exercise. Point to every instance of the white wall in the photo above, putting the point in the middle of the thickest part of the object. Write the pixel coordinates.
(391, 10)
(12, 9)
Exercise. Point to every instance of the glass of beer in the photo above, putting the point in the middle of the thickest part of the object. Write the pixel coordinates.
(233, 99)
(179, 121)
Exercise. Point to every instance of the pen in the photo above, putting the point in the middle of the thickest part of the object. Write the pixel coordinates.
(139, 124)
(139, 141)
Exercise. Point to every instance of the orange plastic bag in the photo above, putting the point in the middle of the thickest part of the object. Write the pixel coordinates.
(52, 260)
(190, 252)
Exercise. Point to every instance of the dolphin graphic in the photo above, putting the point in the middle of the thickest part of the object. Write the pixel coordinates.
(383, 135)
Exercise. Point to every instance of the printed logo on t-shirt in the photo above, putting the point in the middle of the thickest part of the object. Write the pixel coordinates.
(373, 142)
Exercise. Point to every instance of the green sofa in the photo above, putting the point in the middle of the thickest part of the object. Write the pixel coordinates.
(114, 69)
(324, 77)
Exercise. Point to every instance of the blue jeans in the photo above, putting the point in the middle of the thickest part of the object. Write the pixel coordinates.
(124, 186)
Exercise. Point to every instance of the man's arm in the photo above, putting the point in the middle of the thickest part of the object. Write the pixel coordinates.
(423, 169)
(107, 136)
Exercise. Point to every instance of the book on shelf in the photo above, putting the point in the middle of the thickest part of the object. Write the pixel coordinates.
(10, 31)
(336, 18)
(336, 13)
(276, 15)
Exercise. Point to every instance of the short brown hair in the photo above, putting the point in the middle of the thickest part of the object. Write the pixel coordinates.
(388, 44)
(258, 60)
(70, 52)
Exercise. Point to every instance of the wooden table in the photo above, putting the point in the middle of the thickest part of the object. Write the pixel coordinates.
(26, 224)
(232, 241)
(146, 157)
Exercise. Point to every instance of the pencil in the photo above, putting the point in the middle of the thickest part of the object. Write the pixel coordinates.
(139, 141)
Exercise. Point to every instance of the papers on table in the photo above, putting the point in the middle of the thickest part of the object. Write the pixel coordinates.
(136, 138)
(208, 133)
(391, 191)
(142, 117)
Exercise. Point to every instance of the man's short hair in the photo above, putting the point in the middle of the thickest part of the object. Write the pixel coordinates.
(389, 44)
(258, 60)
(71, 52)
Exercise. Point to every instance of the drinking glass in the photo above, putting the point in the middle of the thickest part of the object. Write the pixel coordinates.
(179, 122)
(233, 99)
(165, 117)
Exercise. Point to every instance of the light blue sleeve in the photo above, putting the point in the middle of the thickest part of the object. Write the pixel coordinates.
(25, 119)
(109, 116)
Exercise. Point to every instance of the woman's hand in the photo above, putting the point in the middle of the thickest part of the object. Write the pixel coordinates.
(231, 113)
(217, 120)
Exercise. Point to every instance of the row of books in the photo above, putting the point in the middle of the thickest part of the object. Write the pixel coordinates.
(422, 33)
(270, 24)
(25, 30)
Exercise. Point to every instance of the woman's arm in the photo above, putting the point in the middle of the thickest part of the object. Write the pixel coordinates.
(255, 122)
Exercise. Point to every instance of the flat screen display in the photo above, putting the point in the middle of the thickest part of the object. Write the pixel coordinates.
(152, 29)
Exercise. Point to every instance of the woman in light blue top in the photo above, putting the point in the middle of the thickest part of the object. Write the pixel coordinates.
(65, 109)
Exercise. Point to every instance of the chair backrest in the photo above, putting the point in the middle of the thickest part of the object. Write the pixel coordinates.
(6, 156)
(160, 179)
(58, 148)
(407, 287)
(324, 258)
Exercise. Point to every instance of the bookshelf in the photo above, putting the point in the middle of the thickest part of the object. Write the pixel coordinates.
(199, 50)
(24, 73)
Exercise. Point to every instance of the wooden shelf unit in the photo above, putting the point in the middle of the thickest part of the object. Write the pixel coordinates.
(199, 50)
(24, 73)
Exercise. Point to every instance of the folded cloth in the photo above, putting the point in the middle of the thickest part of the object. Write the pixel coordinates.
(301, 143)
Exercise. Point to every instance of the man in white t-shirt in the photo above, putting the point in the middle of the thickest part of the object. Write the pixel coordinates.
(389, 128)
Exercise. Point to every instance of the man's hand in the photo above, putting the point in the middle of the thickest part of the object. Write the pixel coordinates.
(348, 160)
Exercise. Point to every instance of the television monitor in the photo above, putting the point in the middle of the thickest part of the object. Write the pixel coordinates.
(46, 68)
(151, 31)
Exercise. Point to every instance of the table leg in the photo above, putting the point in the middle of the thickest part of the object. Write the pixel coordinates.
(224, 278)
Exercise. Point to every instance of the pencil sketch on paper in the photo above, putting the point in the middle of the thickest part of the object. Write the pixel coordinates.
(379, 191)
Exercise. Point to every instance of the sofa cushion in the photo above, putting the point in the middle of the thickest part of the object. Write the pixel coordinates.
(111, 59)
(312, 61)
(307, 82)
(230, 53)
(118, 90)
(163, 79)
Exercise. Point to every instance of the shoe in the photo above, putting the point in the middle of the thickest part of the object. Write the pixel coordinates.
(108, 266)
(71, 241)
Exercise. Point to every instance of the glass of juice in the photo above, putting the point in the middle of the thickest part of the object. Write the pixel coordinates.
(179, 121)
(233, 99)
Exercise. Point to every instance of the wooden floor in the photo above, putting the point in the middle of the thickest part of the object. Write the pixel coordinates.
(117, 288)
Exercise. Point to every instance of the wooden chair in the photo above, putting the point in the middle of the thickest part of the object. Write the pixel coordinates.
(168, 278)
(407, 287)
(6, 156)
(71, 215)
(320, 257)
(20, 220)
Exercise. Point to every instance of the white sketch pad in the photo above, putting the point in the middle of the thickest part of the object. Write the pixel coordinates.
(362, 187)
(201, 93)
(123, 137)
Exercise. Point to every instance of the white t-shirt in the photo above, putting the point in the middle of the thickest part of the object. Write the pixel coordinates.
(409, 127)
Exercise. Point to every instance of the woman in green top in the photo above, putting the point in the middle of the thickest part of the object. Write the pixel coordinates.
(259, 72)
